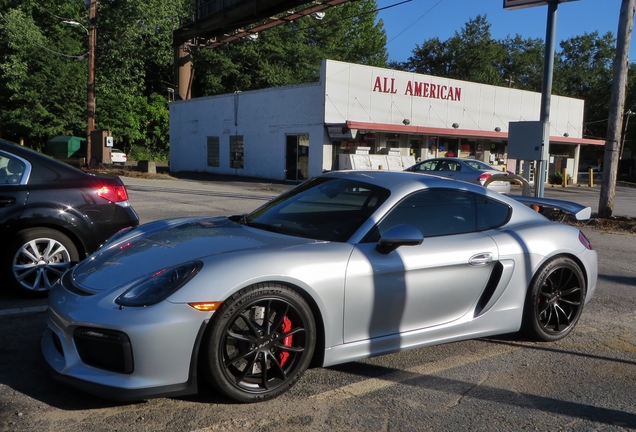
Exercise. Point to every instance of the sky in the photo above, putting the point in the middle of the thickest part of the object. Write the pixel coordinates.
(410, 23)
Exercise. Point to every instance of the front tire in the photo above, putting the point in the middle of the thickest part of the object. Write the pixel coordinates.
(555, 300)
(36, 258)
(261, 341)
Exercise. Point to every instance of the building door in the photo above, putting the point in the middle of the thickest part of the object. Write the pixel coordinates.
(297, 158)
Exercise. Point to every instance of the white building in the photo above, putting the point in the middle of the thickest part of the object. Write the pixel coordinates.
(386, 118)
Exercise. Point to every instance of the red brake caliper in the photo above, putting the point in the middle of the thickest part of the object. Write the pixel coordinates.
(287, 325)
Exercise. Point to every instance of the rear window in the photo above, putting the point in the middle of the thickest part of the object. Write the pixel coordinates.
(12, 169)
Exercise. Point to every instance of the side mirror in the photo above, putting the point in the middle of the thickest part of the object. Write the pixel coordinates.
(399, 235)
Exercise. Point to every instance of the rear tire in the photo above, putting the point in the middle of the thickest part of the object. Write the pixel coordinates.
(555, 300)
(36, 258)
(260, 342)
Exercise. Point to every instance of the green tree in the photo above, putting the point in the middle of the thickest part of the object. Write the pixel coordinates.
(583, 67)
(430, 58)
(584, 70)
(471, 55)
(522, 66)
(134, 67)
(42, 80)
(292, 53)
(43, 73)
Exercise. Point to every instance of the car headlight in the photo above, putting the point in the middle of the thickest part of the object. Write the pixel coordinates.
(160, 285)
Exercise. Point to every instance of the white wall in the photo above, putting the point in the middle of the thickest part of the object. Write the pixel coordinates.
(262, 117)
(352, 94)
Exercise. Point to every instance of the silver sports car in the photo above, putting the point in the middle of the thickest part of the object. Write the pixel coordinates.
(345, 266)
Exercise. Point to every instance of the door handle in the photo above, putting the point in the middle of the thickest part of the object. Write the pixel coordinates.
(6, 201)
(481, 259)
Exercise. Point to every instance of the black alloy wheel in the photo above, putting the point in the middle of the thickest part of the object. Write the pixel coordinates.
(261, 341)
(555, 300)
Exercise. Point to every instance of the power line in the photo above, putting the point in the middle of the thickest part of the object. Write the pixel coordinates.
(51, 13)
(414, 22)
(15, 32)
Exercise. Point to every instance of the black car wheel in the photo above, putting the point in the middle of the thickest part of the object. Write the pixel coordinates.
(261, 341)
(37, 258)
(555, 300)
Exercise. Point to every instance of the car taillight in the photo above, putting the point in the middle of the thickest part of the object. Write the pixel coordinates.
(482, 178)
(114, 194)
(584, 241)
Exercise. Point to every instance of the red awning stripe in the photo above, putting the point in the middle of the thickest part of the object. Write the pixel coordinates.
(463, 133)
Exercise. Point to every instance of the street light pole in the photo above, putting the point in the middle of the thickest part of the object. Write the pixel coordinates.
(90, 88)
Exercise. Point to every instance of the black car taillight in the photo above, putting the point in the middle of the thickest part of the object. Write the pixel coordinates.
(114, 194)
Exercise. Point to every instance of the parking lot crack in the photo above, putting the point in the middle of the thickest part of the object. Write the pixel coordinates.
(461, 396)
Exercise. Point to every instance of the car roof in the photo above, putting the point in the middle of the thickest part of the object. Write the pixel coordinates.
(464, 161)
(45, 168)
(404, 180)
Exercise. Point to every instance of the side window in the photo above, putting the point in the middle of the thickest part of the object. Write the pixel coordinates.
(490, 213)
(11, 170)
(454, 166)
(445, 212)
(427, 166)
(442, 166)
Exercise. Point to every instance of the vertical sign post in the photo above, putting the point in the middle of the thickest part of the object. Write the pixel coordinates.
(546, 88)
(546, 96)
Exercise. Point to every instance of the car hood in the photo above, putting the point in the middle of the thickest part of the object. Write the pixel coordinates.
(158, 245)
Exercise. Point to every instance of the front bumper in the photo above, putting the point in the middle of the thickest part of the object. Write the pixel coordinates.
(153, 351)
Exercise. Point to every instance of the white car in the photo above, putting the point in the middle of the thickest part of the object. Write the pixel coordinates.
(118, 157)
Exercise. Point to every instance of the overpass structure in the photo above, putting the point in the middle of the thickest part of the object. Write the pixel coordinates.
(217, 22)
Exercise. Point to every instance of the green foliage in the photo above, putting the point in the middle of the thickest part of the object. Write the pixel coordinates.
(556, 178)
(43, 83)
(584, 70)
(43, 65)
(471, 55)
(292, 53)
(134, 69)
(583, 67)
(522, 66)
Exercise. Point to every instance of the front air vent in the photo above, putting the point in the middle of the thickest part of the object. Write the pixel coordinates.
(105, 349)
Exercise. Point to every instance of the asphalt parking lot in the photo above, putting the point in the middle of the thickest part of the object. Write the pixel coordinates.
(624, 200)
(584, 382)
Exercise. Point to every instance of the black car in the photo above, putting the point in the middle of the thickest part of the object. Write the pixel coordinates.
(53, 215)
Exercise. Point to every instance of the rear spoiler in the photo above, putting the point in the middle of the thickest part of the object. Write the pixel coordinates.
(579, 211)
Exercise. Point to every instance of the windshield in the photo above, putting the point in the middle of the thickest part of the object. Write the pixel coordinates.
(323, 208)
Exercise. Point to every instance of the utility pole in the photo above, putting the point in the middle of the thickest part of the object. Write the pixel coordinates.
(90, 89)
(616, 109)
